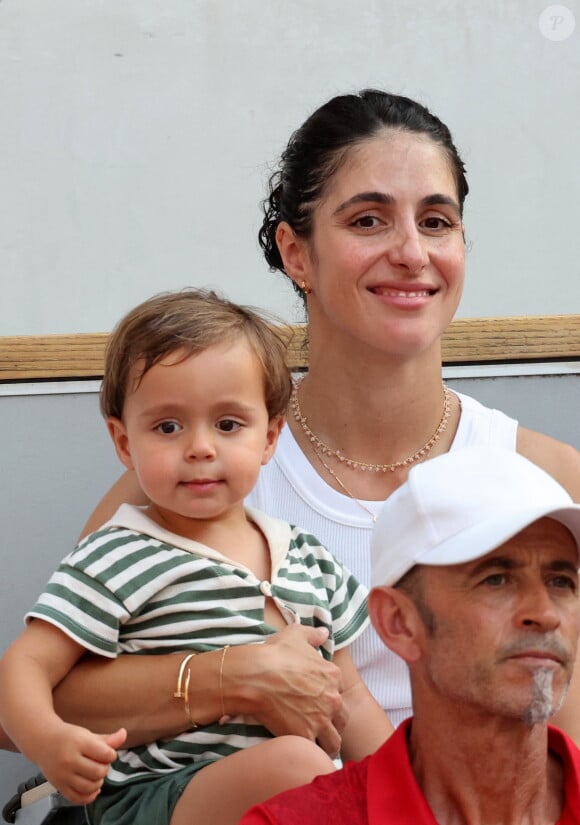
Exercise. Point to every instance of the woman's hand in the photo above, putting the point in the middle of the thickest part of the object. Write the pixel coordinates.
(288, 686)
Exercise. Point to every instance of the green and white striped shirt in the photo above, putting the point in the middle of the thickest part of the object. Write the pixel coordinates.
(133, 587)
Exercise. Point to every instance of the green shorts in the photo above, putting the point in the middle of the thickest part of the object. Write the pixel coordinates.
(148, 801)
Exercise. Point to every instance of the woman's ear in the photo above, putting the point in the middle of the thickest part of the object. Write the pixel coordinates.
(118, 433)
(295, 254)
(396, 620)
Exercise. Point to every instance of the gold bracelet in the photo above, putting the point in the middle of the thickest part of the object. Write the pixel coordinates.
(224, 717)
(181, 691)
(179, 694)
(194, 724)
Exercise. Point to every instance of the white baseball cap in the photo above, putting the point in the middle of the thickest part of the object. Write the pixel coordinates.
(462, 505)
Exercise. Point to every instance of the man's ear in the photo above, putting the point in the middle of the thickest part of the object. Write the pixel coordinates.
(118, 433)
(397, 621)
(295, 254)
(274, 429)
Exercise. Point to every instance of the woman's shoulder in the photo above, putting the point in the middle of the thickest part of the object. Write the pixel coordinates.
(484, 426)
(560, 460)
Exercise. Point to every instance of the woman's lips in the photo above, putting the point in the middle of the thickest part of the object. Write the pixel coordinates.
(403, 290)
(403, 297)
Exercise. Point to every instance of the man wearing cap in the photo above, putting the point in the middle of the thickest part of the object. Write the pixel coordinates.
(475, 572)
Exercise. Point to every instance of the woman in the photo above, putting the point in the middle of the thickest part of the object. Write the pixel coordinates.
(365, 217)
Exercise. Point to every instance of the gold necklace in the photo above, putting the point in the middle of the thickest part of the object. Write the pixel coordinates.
(320, 448)
(344, 487)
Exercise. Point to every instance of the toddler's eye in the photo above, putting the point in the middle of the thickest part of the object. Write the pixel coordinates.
(168, 427)
(227, 425)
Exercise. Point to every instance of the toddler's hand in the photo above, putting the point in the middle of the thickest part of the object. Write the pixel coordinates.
(76, 761)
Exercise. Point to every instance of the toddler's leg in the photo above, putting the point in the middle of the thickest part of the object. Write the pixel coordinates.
(223, 792)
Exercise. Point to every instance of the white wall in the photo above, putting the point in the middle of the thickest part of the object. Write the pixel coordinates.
(136, 137)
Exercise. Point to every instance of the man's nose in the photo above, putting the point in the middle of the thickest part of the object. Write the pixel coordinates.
(537, 609)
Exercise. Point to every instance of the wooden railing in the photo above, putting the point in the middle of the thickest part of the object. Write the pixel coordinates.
(466, 341)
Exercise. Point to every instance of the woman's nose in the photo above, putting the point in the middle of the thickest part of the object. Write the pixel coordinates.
(407, 250)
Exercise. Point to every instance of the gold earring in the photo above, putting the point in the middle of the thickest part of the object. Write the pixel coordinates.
(305, 288)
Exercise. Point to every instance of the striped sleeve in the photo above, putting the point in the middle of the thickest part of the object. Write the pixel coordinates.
(96, 586)
(347, 598)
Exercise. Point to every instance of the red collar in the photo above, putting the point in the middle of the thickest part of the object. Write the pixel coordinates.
(392, 787)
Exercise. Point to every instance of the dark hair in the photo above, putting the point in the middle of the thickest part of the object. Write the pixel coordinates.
(318, 148)
(412, 585)
(190, 321)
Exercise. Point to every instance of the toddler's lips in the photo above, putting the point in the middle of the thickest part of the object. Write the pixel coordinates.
(200, 483)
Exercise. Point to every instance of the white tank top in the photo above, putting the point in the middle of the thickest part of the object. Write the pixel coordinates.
(290, 488)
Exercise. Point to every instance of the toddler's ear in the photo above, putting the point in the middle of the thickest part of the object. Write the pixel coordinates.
(274, 429)
(118, 433)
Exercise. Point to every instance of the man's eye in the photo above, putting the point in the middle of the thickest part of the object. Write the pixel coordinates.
(227, 425)
(564, 583)
(168, 427)
(495, 579)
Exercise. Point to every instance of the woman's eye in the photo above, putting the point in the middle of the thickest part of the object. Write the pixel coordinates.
(227, 425)
(168, 427)
(435, 222)
(366, 222)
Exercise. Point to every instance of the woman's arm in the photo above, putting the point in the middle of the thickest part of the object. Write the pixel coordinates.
(368, 725)
(284, 683)
(561, 461)
(126, 490)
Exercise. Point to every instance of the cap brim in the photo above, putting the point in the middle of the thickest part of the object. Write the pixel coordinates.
(474, 542)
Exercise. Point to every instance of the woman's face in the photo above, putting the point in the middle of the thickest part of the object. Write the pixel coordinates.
(385, 262)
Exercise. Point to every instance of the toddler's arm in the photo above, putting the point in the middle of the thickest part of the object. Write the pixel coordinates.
(72, 758)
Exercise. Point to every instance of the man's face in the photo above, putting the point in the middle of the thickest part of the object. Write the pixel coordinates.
(503, 629)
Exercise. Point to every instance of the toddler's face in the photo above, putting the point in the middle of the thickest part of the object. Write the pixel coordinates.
(196, 431)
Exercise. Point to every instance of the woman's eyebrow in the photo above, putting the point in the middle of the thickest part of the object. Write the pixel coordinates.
(438, 199)
(384, 198)
(366, 197)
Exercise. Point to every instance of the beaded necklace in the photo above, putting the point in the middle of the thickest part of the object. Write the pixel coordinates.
(323, 449)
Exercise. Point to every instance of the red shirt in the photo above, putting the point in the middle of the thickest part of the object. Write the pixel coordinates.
(382, 789)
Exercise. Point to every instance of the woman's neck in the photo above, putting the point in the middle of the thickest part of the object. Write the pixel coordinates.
(377, 413)
(373, 408)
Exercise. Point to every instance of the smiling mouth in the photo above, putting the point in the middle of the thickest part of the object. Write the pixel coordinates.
(402, 293)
